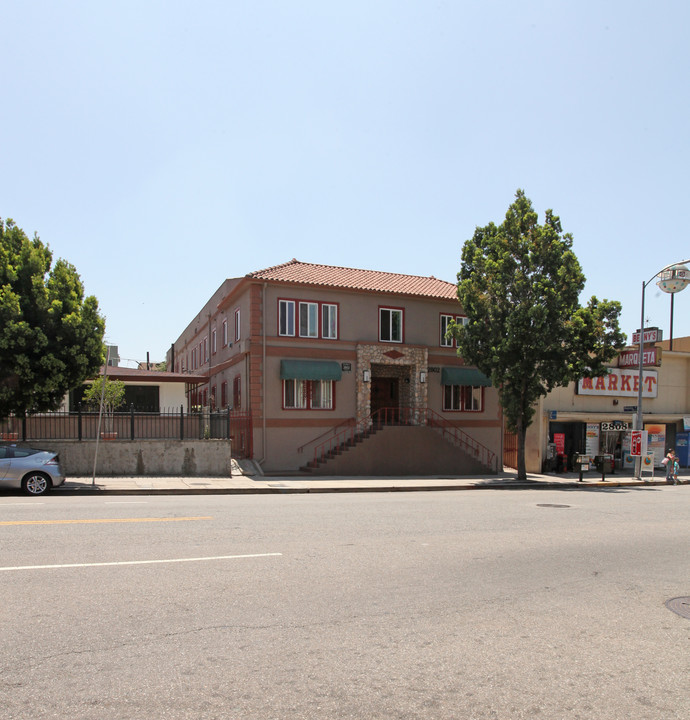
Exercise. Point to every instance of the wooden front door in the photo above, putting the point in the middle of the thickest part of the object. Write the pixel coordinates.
(385, 395)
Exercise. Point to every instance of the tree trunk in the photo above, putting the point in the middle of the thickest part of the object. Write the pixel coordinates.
(521, 435)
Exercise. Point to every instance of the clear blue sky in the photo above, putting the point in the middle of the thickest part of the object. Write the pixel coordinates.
(161, 147)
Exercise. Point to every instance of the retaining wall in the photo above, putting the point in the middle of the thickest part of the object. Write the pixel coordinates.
(188, 458)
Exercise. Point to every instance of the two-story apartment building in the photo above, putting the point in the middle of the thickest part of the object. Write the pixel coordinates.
(318, 355)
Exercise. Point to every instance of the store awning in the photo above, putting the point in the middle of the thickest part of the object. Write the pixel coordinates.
(464, 376)
(310, 370)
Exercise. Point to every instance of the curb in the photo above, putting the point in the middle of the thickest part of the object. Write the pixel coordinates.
(533, 485)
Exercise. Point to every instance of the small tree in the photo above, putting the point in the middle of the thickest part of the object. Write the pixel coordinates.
(519, 285)
(113, 395)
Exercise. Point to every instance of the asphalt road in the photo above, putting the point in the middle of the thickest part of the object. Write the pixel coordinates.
(472, 605)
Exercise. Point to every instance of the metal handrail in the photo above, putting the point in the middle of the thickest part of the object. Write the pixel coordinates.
(342, 437)
(330, 431)
(458, 436)
(404, 416)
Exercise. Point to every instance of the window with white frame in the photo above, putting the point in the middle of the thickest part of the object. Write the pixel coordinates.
(225, 332)
(329, 321)
(390, 325)
(237, 324)
(286, 317)
(463, 398)
(473, 399)
(295, 394)
(214, 347)
(309, 319)
(321, 394)
(307, 394)
(446, 320)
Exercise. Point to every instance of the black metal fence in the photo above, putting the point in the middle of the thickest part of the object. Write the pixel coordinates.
(133, 425)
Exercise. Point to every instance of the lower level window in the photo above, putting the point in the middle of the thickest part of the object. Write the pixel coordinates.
(308, 394)
(463, 397)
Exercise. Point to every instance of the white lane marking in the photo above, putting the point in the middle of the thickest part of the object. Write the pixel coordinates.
(126, 502)
(138, 562)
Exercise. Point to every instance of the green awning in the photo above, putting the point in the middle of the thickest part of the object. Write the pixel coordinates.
(464, 376)
(310, 370)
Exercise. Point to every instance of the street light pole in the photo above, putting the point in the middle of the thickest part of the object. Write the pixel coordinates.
(675, 278)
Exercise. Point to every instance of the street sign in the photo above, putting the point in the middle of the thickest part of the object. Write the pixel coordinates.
(629, 408)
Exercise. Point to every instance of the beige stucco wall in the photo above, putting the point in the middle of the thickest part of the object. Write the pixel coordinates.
(670, 406)
(171, 395)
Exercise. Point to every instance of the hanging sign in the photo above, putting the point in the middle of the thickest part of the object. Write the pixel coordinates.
(651, 335)
(651, 357)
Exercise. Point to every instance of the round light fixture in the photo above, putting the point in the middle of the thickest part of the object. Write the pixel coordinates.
(674, 279)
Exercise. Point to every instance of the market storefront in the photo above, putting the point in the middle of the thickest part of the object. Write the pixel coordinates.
(589, 436)
(596, 416)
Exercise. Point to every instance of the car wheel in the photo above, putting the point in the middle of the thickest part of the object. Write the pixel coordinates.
(36, 484)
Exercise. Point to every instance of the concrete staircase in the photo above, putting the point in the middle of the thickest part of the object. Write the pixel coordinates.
(397, 451)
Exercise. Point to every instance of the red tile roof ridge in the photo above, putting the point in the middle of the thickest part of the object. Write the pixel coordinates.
(256, 273)
(355, 278)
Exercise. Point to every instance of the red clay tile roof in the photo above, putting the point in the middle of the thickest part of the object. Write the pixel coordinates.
(348, 278)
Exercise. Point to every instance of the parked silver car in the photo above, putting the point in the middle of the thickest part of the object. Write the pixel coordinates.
(34, 471)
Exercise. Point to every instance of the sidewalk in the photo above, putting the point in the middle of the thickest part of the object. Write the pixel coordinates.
(241, 482)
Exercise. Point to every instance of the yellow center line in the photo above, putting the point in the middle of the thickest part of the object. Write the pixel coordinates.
(103, 520)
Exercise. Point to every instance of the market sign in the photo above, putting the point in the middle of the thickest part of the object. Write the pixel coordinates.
(651, 335)
(620, 382)
(651, 357)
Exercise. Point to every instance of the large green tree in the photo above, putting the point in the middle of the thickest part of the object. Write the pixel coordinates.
(51, 336)
(519, 285)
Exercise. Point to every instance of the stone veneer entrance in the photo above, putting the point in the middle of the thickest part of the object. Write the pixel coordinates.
(402, 365)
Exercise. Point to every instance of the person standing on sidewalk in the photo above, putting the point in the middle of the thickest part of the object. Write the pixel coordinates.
(670, 460)
(676, 469)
